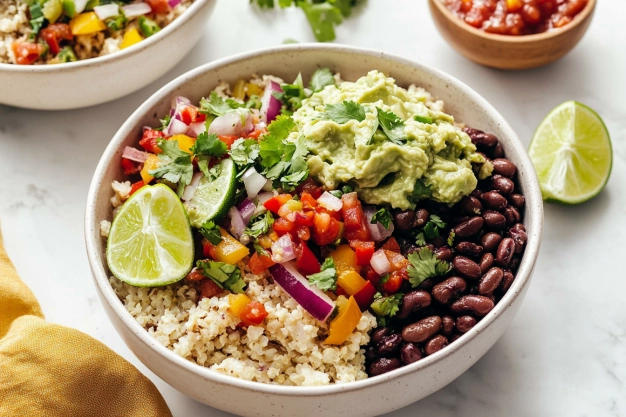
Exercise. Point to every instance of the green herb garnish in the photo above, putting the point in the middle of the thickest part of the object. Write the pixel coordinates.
(211, 232)
(260, 224)
(174, 165)
(226, 276)
(382, 216)
(424, 265)
(320, 79)
(345, 111)
(326, 279)
(386, 306)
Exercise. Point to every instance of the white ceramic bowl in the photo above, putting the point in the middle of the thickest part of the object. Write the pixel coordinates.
(98, 80)
(369, 397)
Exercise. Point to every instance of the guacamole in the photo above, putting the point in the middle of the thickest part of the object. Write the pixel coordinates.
(433, 159)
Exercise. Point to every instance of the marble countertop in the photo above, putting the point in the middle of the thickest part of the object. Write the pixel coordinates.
(565, 352)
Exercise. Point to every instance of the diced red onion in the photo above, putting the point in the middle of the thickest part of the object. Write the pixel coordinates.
(237, 226)
(253, 181)
(380, 263)
(134, 154)
(329, 201)
(195, 129)
(246, 209)
(79, 5)
(311, 298)
(283, 249)
(136, 9)
(106, 11)
(270, 105)
(190, 189)
(176, 127)
(269, 186)
(232, 123)
(173, 3)
(378, 232)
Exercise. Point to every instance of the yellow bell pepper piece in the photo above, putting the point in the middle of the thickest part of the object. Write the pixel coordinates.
(184, 142)
(265, 241)
(130, 38)
(86, 23)
(230, 250)
(345, 258)
(344, 324)
(351, 281)
(253, 90)
(239, 91)
(151, 164)
(238, 303)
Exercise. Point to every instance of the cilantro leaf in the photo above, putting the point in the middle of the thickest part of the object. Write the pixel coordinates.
(346, 189)
(260, 224)
(424, 265)
(218, 106)
(292, 95)
(209, 145)
(260, 250)
(423, 119)
(320, 79)
(451, 237)
(326, 279)
(345, 111)
(420, 240)
(174, 165)
(433, 226)
(36, 17)
(211, 232)
(164, 122)
(392, 125)
(386, 306)
(323, 17)
(244, 153)
(226, 276)
(383, 217)
(420, 192)
(271, 146)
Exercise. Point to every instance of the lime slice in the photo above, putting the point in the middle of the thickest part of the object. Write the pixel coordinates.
(571, 151)
(150, 242)
(213, 199)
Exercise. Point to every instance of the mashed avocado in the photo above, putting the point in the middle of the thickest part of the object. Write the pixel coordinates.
(434, 157)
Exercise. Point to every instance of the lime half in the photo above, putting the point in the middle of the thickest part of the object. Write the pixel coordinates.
(150, 242)
(213, 197)
(572, 153)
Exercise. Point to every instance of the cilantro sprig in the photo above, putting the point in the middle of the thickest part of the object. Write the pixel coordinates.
(326, 279)
(218, 106)
(392, 125)
(226, 276)
(344, 112)
(431, 229)
(211, 232)
(260, 224)
(320, 79)
(207, 146)
(174, 165)
(386, 306)
(424, 265)
(382, 216)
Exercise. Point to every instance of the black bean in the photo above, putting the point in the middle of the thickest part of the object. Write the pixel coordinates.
(498, 151)
(389, 344)
(512, 215)
(409, 353)
(517, 201)
(469, 249)
(435, 344)
(383, 365)
(422, 330)
(379, 333)
(466, 267)
(490, 241)
(403, 220)
(490, 281)
(519, 237)
(469, 227)
(503, 184)
(494, 200)
(504, 167)
(421, 218)
(477, 304)
(447, 325)
(505, 252)
(449, 288)
(413, 301)
(470, 205)
(444, 253)
(465, 323)
(507, 281)
(519, 226)
(494, 220)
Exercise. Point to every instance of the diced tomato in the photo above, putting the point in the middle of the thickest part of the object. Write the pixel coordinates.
(27, 53)
(365, 296)
(208, 250)
(393, 283)
(255, 134)
(201, 117)
(392, 245)
(54, 34)
(228, 139)
(333, 214)
(306, 261)
(364, 251)
(274, 203)
(308, 202)
(341, 291)
(369, 274)
(188, 114)
(253, 314)
(304, 218)
(303, 233)
(326, 229)
(311, 187)
(209, 289)
(259, 263)
(354, 219)
(131, 167)
(195, 275)
(282, 226)
(136, 186)
(159, 6)
(397, 261)
(149, 140)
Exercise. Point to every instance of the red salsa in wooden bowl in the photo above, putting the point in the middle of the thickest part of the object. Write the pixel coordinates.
(516, 17)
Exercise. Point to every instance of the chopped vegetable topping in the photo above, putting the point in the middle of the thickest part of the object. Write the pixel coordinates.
(211, 232)
(326, 280)
(260, 225)
(174, 165)
(386, 306)
(320, 79)
(424, 265)
(226, 276)
(382, 216)
(217, 106)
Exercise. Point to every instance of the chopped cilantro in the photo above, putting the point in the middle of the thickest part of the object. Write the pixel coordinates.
(260, 224)
(420, 240)
(433, 226)
(205, 147)
(36, 17)
(292, 95)
(174, 165)
(323, 17)
(384, 279)
(451, 237)
(386, 306)
(424, 265)
(260, 250)
(392, 125)
(218, 106)
(244, 153)
(383, 217)
(345, 111)
(423, 119)
(420, 192)
(326, 279)
(226, 276)
(211, 232)
(346, 189)
(164, 122)
(271, 146)
(320, 79)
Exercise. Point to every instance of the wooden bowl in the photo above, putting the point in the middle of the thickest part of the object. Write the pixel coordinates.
(510, 52)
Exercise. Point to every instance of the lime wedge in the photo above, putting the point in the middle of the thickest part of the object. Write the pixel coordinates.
(213, 199)
(150, 242)
(572, 153)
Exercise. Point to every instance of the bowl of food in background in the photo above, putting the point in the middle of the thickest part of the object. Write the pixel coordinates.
(512, 34)
(278, 235)
(66, 54)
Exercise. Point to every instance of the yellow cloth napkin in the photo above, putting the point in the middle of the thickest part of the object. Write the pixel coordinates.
(51, 370)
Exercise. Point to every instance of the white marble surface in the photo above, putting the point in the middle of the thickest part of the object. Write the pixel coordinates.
(565, 353)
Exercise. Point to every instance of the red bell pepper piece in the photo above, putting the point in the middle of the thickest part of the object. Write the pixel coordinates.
(149, 140)
(365, 296)
(364, 251)
(304, 218)
(274, 203)
(392, 245)
(354, 219)
(306, 261)
(136, 186)
(131, 167)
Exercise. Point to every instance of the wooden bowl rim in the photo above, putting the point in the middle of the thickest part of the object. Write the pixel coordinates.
(538, 37)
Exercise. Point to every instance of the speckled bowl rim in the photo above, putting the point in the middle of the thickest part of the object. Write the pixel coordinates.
(533, 213)
(537, 37)
(119, 55)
